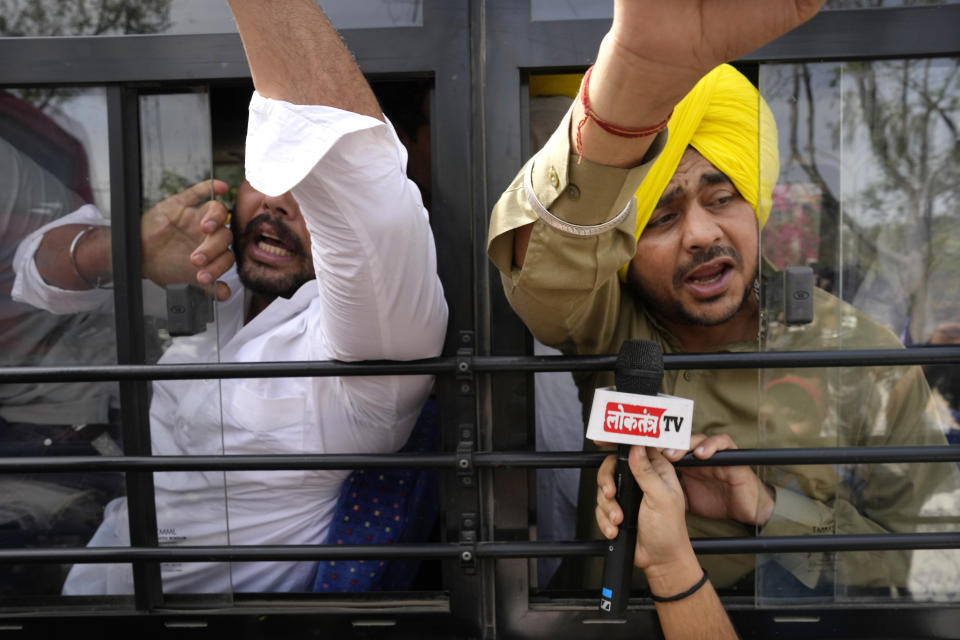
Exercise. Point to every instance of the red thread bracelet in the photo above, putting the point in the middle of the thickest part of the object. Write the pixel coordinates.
(609, 127)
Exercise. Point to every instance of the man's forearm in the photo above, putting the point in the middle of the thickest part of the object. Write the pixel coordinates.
(296, 55)
(697, 617)
(75, 257)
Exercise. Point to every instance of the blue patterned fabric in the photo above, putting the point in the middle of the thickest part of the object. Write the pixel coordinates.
(384, 506)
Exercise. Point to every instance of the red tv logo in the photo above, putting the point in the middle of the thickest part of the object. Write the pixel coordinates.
(632, 419)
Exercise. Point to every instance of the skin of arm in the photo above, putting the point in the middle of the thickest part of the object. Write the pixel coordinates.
(183, 239)
(284, 40)
(666, 556)
(653, 55)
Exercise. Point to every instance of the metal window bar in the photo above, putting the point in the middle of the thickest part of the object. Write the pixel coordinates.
(460, 460)
(481, 364)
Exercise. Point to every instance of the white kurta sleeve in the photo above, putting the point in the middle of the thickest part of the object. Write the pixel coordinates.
(29, 286)
(373, 249)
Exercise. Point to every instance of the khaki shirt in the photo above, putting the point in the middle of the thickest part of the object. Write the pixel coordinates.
(569, 296)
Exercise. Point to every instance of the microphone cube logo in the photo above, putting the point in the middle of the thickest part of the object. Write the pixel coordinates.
(632, 419)
(628, 418)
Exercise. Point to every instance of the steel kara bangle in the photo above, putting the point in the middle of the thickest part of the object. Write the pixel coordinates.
(72, 251)
(568, 227)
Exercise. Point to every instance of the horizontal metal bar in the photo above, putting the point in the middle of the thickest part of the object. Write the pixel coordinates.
(741, 360)
(315, 368)
(758, 544)
(797, 455)
(479, 364)
(94, 555)
(65, 464)
(857, 34)
(482, 459)
(493, 549)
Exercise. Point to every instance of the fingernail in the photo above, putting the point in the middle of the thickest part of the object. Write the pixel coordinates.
(199, 259)
(204, 277)
(209, 226)
(700, 450)
(669, 452)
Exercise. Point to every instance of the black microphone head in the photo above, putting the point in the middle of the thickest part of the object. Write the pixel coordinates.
(639, 367)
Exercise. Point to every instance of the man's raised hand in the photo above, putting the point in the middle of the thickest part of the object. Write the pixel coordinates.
(184, 238)
(693, 36)
(656, 51)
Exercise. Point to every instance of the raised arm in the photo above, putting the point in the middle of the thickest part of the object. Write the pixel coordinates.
(295, 55)
(654, 53)
(317, 131)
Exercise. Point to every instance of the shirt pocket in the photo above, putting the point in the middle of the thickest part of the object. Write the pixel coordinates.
(256, 423)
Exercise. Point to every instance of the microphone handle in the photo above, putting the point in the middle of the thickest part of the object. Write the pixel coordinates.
(618, 559)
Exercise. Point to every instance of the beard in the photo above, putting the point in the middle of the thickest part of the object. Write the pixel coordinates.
(267, 280)
(673, 310)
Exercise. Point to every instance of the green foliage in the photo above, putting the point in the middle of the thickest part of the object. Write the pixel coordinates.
(83, 17)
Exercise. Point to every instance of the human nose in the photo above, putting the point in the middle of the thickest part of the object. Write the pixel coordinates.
(283, 205)
(701, 230)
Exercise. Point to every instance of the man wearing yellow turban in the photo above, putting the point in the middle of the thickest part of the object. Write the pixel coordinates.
(677, 214)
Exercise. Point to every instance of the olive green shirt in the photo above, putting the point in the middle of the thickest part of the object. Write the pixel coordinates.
(570, 297)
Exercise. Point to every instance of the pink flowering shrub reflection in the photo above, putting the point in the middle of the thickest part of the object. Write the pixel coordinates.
(790, 235)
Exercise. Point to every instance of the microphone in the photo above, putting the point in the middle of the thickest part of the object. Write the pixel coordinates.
(639, 370)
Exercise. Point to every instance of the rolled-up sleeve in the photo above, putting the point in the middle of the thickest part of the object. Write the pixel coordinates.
(567, 280)
(373, 249)
(29, 286)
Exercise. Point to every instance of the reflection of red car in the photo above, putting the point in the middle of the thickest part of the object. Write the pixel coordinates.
(36, 135)
(46, 175)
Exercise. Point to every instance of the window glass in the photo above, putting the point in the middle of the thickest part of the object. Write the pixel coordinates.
(544, 10)
(53, 145)
(867, 199)
(181, 148)
(558, 412)
(127, 17)
(182, 326)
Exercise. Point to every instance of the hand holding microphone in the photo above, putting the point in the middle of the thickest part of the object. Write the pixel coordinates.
(662, 543)
(638, 376)
(687, 604)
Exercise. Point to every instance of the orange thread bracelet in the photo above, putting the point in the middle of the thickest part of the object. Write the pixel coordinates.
(609, 127)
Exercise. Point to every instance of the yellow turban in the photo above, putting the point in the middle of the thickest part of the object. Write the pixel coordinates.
(720, 118)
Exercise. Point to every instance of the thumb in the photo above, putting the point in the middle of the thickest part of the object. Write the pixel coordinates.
(647, 477)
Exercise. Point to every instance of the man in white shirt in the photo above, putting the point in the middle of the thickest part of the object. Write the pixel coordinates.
(335, 260)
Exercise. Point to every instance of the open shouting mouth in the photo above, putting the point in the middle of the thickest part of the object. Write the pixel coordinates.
(272, 244)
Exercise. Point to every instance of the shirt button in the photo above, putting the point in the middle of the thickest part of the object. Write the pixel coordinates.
(554, 178)
(573, 192)
(688, 375)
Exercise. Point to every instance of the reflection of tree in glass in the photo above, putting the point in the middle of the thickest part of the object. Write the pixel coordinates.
(171, 183)
(909, 109)
(78, 18)
(891, 128)
(83, 17)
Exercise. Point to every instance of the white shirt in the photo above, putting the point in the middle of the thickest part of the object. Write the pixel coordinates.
(376, 296)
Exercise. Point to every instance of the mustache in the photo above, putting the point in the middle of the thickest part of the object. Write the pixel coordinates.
(277, 226)
(700, 258)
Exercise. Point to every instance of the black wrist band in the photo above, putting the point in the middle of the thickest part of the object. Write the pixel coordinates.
(680, 596)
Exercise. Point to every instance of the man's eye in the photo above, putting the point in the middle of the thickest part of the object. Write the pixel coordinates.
(722, 199)
(662, 219)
